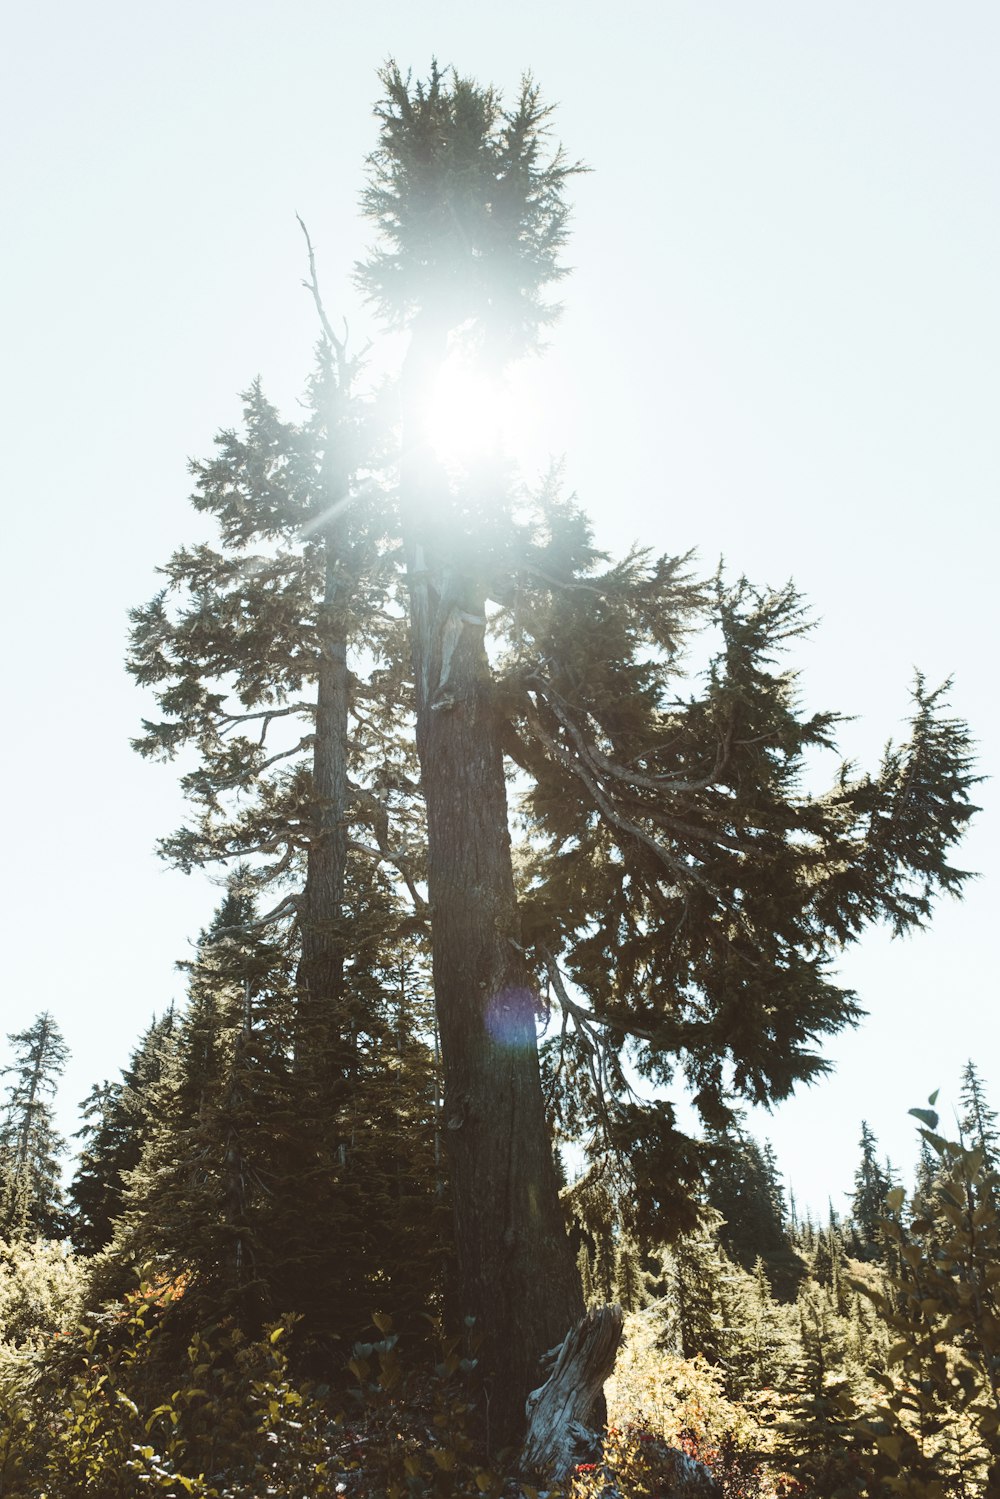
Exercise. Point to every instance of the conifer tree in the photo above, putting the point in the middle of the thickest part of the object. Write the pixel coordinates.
(645, 810)
(275, 658)
(473, 217)
(758, 1346)
(30, 1146)
(871, 1185)
(673, 867)
(252, 1187)
(936, 1428)
(742, 1185)
(692, 1268)
(118, 1122)
(979, 1122)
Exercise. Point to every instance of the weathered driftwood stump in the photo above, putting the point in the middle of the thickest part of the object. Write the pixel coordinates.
(558, 1436)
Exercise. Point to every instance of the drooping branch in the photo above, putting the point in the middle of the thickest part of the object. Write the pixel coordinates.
(575, 764)
(628, 774)
(600, 765)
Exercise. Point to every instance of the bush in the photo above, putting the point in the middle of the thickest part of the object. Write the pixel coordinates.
(40, 1288)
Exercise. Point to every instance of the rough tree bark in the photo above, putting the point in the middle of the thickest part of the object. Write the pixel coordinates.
(320, 977)
(557, 1412)
(321, 967)
(517, 1274)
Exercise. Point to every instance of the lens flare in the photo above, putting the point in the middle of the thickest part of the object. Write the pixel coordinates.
(473, 415)
(510, 1017)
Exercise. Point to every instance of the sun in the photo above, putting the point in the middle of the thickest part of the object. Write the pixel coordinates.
(471, 416)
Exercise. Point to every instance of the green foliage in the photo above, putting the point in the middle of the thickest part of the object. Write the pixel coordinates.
(941, 1388)
(302, 1071)
(470, 211)
(871, 1188)
(252, 1184)
(30, 1146)
(924, 1419)
(119, 1408)
(645, 812)
(41, 1285)
(118, 1123)
(743, 1186)
(232, 645)
(661, 1405)
(100, 1416)
(979, 1122)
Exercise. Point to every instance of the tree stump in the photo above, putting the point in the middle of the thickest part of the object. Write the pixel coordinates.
(557, 1435)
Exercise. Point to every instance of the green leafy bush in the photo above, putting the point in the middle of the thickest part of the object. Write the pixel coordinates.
(40, 1289)
(116, 1409)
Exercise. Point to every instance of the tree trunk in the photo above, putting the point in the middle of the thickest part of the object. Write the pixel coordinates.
(323, 1045)
(517, 1276)
(557, 1435)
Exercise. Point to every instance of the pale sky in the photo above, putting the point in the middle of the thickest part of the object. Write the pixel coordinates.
(780, 344)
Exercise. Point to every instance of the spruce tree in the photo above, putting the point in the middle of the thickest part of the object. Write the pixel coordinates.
(30, 1146)
(118, 1122)
(872, 1183)
(275, 661)
(678, 891)
(472, 217)
(742, 1185)
(978, 1121)
(674, 868)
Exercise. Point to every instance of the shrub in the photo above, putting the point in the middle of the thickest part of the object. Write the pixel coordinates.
(40, 1286)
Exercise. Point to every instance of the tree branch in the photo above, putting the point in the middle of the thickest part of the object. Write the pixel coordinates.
(339, 345)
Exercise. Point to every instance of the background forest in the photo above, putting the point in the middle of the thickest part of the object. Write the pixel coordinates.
(857, 1356)
(519, 845)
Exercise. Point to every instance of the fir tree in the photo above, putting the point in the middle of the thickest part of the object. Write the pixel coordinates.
(871, 1186)
(645, 809)
(694, 1320)
(252, 1187)
(758, 1346)
(30, 1146)
(302, 780)
(742, 1185)
(473, 216)
(118, 1122)
(672, 864)
(979, 1122)
(937, 1423)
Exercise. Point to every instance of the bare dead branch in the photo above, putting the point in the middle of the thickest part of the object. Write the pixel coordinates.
(338, 345)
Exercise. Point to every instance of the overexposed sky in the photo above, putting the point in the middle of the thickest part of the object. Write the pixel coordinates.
(779, 345)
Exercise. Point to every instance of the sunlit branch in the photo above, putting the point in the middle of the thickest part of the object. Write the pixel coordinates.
(622, 773)
(306, 742)
(339, 345)
(229, 721)
(623, 824)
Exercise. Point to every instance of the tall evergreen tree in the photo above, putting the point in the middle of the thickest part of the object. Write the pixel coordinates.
(118, 1122)
(872, 1184)
(675, 870)
(979, 1122)
(30, 1146)
(275, 659)
(742, 1185)
(473, 216)
(673, 867)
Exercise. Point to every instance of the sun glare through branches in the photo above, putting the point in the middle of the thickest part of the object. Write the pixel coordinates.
(472, 415)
